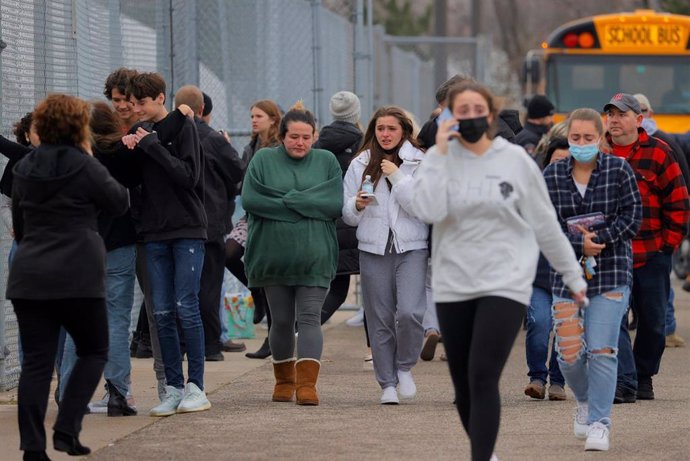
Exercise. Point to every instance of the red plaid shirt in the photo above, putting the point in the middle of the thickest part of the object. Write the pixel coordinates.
(665, 206)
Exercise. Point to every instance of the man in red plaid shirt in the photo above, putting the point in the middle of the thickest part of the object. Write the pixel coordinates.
(664, 223)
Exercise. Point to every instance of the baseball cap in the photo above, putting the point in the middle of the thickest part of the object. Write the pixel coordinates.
(624, 102)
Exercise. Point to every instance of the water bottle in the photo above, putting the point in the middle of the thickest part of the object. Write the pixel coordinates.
(368, 185)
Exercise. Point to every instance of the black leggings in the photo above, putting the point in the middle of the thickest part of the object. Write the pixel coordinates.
(478, 336)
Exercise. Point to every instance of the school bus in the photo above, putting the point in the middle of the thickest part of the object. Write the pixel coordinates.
(585, 62)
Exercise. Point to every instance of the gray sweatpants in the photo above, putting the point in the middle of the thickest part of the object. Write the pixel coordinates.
(305, 302)
(394, 299)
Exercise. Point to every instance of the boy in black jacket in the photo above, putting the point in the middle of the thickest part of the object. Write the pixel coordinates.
(173, 228)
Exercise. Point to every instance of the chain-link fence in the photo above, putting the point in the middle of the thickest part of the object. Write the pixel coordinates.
(237, 51)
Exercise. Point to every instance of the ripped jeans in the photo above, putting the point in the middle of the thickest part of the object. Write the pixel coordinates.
(174, 275)
(587, 344)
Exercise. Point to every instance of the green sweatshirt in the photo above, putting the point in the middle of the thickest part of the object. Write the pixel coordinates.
(292, 206)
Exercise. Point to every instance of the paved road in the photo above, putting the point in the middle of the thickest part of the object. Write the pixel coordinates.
(350, 424)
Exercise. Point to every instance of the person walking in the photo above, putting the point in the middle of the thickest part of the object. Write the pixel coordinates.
(59, 189)
(599, 208)
(343, 138)
(293, 195)
(664, 224)
(673, 339)
(392, 248)
(539, 122)
(222, 174)
(173, 229)
(265, 117)
(541, 367)
(491, 214)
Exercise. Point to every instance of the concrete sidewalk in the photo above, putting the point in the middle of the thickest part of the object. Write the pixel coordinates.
(351, 425)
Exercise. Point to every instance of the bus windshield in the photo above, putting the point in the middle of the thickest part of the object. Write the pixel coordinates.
(590, 81)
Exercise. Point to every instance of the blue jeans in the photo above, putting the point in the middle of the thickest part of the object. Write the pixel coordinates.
(539, 327)
(670, 314)
(586, 343)
(119, 300)
(68, 359)
(174, 274)
(650, 292)
(120, 264)
(430, 320)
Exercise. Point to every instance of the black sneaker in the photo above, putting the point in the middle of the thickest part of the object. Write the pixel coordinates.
(624, 395)
(645, 390)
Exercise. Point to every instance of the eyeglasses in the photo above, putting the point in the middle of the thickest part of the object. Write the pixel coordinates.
(644, 111)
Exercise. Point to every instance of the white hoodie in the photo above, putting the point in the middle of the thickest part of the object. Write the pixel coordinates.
(393, 211)
(491, 215)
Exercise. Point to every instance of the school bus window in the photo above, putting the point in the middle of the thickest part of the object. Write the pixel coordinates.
(585, 81)
(588, 77)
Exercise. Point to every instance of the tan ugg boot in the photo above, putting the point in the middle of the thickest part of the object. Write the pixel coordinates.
(307, 371)
(284, 371)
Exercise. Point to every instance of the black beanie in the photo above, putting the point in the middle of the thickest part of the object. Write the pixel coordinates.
(539, 106)
(208, 105)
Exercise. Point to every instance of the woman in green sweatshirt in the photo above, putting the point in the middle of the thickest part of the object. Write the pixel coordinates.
(293, 194)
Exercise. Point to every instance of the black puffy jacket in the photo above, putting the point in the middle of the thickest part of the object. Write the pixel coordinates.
(343, 140)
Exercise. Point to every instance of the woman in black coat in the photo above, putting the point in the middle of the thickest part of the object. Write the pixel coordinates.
(343, 137)
(57, 276)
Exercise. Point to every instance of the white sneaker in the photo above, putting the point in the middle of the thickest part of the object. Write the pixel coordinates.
(171, 400)
(390, 396)
(597, 437)
(194, 400)
(356, 320)
(408, 389)
(368, 363)
(580, 426)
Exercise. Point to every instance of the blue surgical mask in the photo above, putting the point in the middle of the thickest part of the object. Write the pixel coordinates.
(584, 154)
(649, 125)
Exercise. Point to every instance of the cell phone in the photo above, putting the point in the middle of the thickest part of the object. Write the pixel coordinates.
(446, 115)
(373, 202)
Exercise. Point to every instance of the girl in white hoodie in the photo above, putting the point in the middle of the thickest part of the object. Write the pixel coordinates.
(393, 248)
(491, 213)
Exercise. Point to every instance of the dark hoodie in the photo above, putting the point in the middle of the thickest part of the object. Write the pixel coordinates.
(172, 203)
(57, 194)
(343, 139)
(223, 173)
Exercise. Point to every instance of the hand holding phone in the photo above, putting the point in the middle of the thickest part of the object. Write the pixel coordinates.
(446, 115)
(447, 130)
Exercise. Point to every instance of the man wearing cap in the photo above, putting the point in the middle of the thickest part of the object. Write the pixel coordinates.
(664, 223)
(539, 122)
(650, 126)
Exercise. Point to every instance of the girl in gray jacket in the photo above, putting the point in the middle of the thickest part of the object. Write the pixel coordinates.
(393, 248)
(491, 214)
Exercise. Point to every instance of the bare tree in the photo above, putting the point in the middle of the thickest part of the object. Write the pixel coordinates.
(524, 24)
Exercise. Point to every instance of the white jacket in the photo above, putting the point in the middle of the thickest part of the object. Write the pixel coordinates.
(393, 211)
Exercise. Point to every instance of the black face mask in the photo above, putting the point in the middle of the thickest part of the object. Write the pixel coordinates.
(472, 129)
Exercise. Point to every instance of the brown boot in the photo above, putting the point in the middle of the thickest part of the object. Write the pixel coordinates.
(284, 371)
(307, 375)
